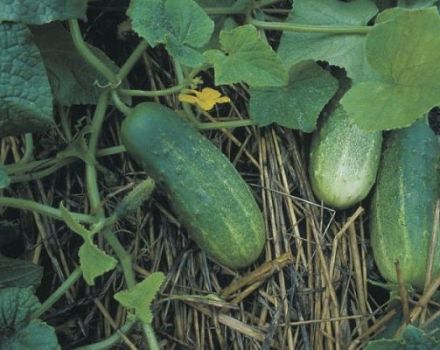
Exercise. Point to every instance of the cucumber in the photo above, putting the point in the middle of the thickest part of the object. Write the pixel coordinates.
(403, 204)
(206, 192)
(343, 161)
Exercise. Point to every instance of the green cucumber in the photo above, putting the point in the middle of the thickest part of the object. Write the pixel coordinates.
(206, 192)
(403, 205)
(343, 161)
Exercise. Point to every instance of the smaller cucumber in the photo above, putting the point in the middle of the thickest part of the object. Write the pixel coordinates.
(402, 209)
(343, 161)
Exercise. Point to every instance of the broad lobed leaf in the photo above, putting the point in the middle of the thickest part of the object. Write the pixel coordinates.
(404, 51)
(25, 96)
(41, 11)
(298, 104)
(182, 25)
(344, 50)
(246, 57)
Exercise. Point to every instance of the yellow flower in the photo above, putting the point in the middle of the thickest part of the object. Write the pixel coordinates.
(205, 99)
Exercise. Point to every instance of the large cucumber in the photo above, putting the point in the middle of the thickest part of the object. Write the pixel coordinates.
(343, 161)
(402, 209)
(206, 192)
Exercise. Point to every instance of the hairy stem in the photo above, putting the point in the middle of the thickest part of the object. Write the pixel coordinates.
(306, 28)
(27, 204)
(55, 296)
(88, 55)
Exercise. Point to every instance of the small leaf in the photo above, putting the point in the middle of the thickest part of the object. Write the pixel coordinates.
(181, 25)
(25, 96)
(41, 11)
(72, 79)
(141, 296)
(4, 178)
(408, 81)
(245, 56)
(16, 329)
(19, 273)
(205, 99)
(343, 50)
(298, 104)
(94, 262)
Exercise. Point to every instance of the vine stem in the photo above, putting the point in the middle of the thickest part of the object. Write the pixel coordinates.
(88, 55)
(29, 150)
(95, 201)
(131, 61)
(26, 204)
(121, 106)
(226, 125)
(55, 296)
(111, 341)
(307, 28)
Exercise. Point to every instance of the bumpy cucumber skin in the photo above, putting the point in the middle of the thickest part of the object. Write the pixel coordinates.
(206, 192)
(403, 205)
(343, 161)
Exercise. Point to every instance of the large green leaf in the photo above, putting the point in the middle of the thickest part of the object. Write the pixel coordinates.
(141, 296)
(412, 338)
(19, 273)
(4, 178)
(41, 11)
(416, 3)
(298, 104)
(17, 330)
(181, 25)
(344, 50)
(72, 79)
(405, 52)
(25, 96)
(246, 57)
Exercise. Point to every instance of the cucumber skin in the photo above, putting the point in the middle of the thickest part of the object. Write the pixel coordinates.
(343, 161)
(208, 195)
(403, 205)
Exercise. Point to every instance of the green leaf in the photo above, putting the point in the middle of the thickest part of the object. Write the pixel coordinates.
(4, 178)
(141, 296)
(298, 104)
(343, 50)
(36, 335)
(94, 262)
(25, 97)
(17, 331)
(41, 11)
(181, 25)
(19, 273)
(405, 53)
(412, 338)
(245, 56)
(72, 79)
(415, 3)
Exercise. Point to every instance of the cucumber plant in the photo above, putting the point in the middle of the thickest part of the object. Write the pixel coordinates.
(393, 82)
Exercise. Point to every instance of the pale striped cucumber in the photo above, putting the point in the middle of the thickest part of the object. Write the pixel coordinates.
(206, 192)
(402, 209)
(343, 161)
